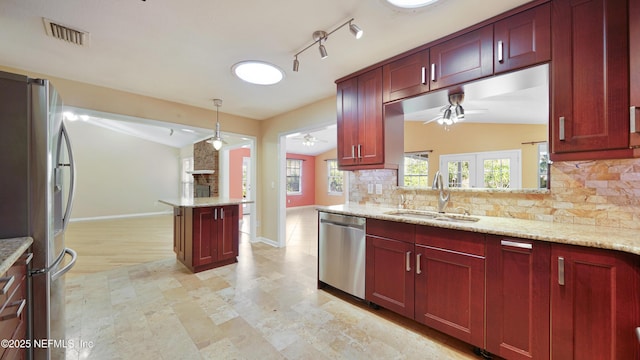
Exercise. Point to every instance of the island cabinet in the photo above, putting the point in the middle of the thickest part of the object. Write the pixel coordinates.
(523, 39)
(206, 237)
(389, 279)
(590, 80)
(595, 301)
(450, 282)
(367, 139)
(518, 272)
(461, 59)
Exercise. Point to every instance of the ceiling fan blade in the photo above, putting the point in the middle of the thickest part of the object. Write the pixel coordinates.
(476, 111)
(434, 119)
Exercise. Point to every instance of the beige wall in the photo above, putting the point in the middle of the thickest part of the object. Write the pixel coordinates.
(120, 175)
(320, 113)
(470, 137)
(322, 194)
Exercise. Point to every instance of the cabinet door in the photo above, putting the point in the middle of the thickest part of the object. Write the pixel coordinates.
(589, 76)
(523, 39)
(518, 273)
(370, 148)
(204, 236)
(449, 293)
(389, 274)
(464, 58)
(406, 77)
(347, 121)
(594, 304)
(634, 64)
(228, 232)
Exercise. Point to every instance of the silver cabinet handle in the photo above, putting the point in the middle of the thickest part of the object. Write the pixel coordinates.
(353, 151)
(418, 270)
(19, 305)
(500, 51)
(424, 75)
(634, 127)
(516, 244)
(561, 128)
(408, 261)
(433, 72)
(221, 213)
(359, 151)
(215, 214)
(560, 270)
(7, 284)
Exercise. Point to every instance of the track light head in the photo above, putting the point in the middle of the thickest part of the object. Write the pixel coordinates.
(296, 64)
(355, 30)
(323, 51)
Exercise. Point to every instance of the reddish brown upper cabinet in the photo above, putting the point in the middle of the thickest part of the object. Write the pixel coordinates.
(389, 265)
(590, 79)
(366, 138)
(595, 301)
(634, 65)
(360, 124)
(210, 236)
(406, 77)
(450, 282)
(523, 39)
(517, 310)
(461, 59)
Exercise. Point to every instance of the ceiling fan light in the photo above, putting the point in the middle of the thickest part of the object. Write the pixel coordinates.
(459, 112)
(217, 143)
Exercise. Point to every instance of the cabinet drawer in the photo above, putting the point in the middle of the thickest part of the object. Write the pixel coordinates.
(391, 230)
(453, 240)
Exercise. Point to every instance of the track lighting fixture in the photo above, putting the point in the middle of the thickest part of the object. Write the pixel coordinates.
(320, 37)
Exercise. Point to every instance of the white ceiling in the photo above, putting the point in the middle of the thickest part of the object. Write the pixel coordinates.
(183, 51)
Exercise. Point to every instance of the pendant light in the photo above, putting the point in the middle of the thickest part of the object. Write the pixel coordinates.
(216, 141)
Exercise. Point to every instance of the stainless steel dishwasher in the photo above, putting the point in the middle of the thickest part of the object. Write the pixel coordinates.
(341, 252)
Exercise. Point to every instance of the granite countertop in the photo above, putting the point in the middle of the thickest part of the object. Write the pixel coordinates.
(10, 251)
(204, 201)
(603, 237)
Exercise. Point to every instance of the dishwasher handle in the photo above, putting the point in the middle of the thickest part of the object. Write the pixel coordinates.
(340, 224)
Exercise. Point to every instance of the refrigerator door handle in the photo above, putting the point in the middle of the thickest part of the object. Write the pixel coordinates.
(59, 273)
(72, 175)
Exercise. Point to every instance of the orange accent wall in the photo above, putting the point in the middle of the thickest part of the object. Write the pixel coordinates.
(308, 196)
(235, 171)
(322, 188)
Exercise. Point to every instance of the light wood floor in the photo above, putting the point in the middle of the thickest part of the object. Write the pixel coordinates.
(109, 244)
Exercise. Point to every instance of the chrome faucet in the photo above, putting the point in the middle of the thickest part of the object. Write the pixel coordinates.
(438, 184)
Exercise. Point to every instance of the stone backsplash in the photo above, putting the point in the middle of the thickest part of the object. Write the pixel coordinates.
(602, 192)
(205, 157)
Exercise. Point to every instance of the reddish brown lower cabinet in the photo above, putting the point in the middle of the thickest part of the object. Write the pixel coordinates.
(206, 237)
(595, 303)
(389, 265)
(13, 307)
(518, 298)
(450, 282)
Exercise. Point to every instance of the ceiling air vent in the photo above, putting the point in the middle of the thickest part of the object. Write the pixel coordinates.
(66, 33)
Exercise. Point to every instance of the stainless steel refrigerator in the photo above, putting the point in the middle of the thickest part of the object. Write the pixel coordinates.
(36, 193)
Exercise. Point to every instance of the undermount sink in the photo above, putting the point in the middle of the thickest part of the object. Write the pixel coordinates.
(432, 215)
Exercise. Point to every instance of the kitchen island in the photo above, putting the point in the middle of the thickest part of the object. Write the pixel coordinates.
(206, 231)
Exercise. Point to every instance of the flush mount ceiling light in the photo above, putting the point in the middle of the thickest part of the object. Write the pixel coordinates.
(258, 72)
(410, 4)
(320, 37)
(216, 140)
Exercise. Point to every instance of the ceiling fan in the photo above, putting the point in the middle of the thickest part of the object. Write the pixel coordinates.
(454, 112)
(308, 140)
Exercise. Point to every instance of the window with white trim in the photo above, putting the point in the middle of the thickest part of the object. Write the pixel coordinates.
(335, 178)
(492, 169)
(294, 176)
(187, 179)
(416, 169)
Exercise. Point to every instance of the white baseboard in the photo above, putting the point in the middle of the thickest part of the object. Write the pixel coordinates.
(267, 241)
(110, 217)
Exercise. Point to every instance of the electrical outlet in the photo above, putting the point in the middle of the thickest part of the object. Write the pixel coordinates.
(378, 189)
(370, 188)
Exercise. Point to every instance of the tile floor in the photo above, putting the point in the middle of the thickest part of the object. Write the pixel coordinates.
(264, 307)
